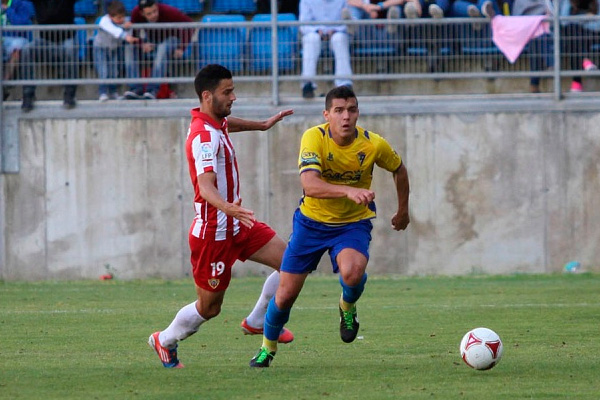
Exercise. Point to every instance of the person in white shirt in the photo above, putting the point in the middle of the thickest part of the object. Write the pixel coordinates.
(108, 47)
(312, 37)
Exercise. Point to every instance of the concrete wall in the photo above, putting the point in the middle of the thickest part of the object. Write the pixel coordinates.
(495, 189)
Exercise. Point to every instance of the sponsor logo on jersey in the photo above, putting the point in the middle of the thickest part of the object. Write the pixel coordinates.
(206, 151)
(308, 158)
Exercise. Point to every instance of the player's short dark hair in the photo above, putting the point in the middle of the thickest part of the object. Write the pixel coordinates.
(341, 92)
(209, 77)
(115, 8)
(146, 3)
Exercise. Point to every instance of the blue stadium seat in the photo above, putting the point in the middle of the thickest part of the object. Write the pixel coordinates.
(373, 41)
(187, 6)
(86, 8)
(260, 44)
(81, 39)
(221, 44)
(478, 41)
(234, 6)
(129, 5)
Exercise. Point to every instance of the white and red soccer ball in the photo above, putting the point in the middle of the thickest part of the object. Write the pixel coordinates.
(481, 348)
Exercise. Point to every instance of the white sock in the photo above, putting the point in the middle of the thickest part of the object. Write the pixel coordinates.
(256, 318)
(186, 323)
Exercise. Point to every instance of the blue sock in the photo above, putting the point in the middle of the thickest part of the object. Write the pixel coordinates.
(275, 319)
(351, 294)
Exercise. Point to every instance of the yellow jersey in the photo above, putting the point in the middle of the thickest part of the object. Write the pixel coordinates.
(350, 165)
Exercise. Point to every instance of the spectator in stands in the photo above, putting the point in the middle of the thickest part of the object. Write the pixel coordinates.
(579, 37)
(333, 35)
(54, 45)
(540, 48)
(108, 46)
(14, 12)
(283, 7)
(163, 45)
(372, 9)
(433, 8)
(475, 8)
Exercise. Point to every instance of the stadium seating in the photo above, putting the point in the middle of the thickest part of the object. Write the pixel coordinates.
(373, 41)
(220, 43)
(81, 40)
(261, 46)
(187, 6)
(129, 5)
(234, 6)
(86, 8)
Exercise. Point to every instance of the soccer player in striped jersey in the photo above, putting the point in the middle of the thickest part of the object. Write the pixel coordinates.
(336, 165)
(222, 231)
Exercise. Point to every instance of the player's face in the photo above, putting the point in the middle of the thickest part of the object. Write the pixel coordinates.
(151, 13)
(342, 117)
(223, 98)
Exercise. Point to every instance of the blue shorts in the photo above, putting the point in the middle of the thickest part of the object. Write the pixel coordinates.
(310, 239)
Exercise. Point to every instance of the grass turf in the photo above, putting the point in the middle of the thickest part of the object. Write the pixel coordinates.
(87, 340)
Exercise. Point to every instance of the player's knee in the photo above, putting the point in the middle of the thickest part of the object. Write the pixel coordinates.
(210, 311)
(353, 277)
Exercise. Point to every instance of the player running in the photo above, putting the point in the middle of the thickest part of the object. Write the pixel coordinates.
(222, 231)
(336, 169)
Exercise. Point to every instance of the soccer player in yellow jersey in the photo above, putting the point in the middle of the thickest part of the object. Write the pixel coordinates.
(336, 168)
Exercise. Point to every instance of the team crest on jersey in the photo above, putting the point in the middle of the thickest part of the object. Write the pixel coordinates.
(206, 151)
(330, 157)
(213, 282)
(361, 157)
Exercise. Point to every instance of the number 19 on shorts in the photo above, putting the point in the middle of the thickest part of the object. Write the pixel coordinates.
(217, 268)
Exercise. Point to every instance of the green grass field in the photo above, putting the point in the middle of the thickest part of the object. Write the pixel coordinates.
(87, 340)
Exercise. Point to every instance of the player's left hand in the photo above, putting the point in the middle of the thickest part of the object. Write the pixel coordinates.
(277, 117)
(400, 221)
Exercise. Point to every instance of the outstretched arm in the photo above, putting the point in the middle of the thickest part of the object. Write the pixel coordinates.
(239, 125)
(400, 220)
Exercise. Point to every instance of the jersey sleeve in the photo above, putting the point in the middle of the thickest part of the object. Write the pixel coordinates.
(311, 148)
(387, 158)
(205, 147)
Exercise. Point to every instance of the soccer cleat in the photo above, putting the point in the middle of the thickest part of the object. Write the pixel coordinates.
(168, 357)
(263, 358)
(286, 336)
(348, 325)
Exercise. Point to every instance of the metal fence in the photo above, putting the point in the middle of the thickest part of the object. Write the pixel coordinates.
(270, 51)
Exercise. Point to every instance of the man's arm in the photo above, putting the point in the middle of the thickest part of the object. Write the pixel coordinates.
(401, 219)
(206, 184)
(316, 187)
(235, 124)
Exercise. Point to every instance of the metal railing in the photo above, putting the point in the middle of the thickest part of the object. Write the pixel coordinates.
(271, 52)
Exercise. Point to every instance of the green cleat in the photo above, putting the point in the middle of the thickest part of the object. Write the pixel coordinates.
(263, 358)
(348, 325)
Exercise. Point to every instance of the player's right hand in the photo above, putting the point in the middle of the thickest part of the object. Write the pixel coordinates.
(244, 215)
(360, 196)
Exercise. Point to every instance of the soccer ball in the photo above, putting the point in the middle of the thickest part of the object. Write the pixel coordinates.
(481, 348)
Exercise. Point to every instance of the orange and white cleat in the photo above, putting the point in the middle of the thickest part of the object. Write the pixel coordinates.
(168, 357)
(286, 336)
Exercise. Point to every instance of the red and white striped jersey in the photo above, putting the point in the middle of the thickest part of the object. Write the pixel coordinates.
(208, 148)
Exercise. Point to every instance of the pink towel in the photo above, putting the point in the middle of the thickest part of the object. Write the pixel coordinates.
(511, 34)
